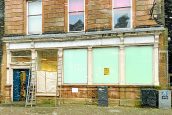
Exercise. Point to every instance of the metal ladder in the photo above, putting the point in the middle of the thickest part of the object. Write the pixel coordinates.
(59, 81)
(31, 87)
(58, 91)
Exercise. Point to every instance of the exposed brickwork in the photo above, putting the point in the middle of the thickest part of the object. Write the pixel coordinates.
(99, 15)
(14, 17)
(163, 45)
(54, 16)
(125, 96)
(143, 13)
(4, 72)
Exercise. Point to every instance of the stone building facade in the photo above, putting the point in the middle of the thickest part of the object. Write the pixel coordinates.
(78, 45)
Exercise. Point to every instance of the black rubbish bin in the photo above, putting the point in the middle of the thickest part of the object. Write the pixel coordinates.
(149, 98)
(102, 96)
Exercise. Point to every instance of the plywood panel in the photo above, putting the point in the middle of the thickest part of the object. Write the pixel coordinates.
(51, 80)
(41, 81)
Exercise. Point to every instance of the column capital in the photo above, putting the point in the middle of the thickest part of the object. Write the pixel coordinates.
(60, 52)
(156, 38)
(90, 48)
(32, 44)
(121, 47)
(7, 46)
(60, 49)
(156, 45)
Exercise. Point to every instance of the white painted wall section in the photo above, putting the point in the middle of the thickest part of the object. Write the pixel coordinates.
(134, 40)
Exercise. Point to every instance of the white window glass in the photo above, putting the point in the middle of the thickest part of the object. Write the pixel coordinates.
(76, 15)
(34, 8)
(122, 13)
(76, 5)
(34, 24)
(121, 3)
(35, 17)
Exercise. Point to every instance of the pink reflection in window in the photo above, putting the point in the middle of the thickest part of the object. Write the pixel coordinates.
(76, 5)
(121, 3)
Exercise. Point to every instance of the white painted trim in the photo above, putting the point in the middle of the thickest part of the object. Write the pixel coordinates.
(139, 84)
(8, 64)
(83, 43)
(27, 22)
(112, 15)
(131, 26)
(90, 65)
(122, 65)
(33, 60)
(68, 15)
(68, 18)
(156, 65)
(149, 40)
(156, 61)
(131, 22)
(136, 40)
(20, 45)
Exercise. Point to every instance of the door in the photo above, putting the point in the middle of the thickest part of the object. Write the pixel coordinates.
(20, 81)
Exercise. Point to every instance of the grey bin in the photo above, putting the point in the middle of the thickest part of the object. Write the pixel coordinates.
(102, 96)
(165, 99)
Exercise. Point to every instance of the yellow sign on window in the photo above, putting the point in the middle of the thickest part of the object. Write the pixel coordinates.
(106, 71)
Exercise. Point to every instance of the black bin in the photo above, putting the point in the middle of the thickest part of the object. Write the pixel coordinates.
(149, 98)
(102, 96)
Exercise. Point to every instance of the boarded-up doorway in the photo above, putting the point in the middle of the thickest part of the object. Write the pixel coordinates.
(20, 81)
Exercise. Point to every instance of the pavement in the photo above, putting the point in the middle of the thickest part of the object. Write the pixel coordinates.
(77, 109)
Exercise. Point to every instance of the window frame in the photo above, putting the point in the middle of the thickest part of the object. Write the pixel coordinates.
(27, 18)
(68, 27)
(131, 19)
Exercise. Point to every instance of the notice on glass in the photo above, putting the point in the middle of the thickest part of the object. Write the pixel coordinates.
(106, 71)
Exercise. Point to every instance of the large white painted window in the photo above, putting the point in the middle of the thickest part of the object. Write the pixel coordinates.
(139, 65)
(122, 13)
(105, 65)
(34, 17)
(75, 66)
(76, 15)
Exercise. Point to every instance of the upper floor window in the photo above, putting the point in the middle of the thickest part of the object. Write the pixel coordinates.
(76, 15)
(34, 17)
(122, 14)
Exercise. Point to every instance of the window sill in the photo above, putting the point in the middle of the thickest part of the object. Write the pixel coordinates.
(122, 29)
(34, 34)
